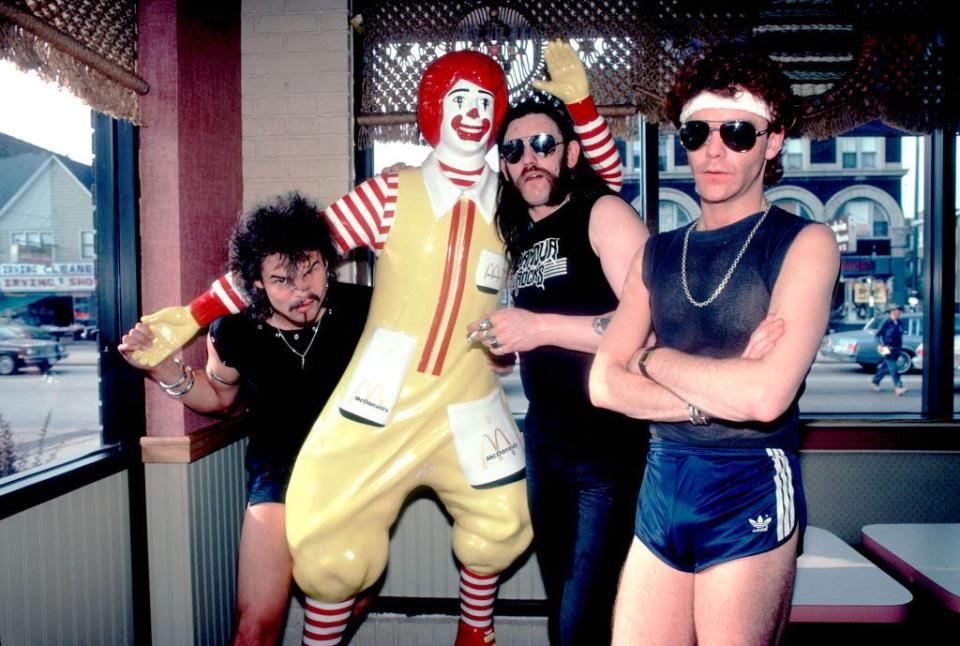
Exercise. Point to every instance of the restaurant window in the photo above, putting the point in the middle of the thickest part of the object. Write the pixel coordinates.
(881, 262)
(55, 395)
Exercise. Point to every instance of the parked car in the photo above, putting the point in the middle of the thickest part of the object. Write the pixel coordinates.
(18, 350)
(918, 358)
(860, 346)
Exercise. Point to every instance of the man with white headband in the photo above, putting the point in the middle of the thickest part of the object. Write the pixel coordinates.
(739, 300)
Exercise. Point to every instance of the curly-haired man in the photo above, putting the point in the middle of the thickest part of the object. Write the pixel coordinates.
(281, 358)
(739, 301)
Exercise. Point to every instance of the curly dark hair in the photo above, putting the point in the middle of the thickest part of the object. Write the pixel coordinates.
(290, 225)
(725, 70)
(512, 216)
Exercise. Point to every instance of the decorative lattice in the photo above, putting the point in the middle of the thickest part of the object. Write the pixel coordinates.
(850, 61)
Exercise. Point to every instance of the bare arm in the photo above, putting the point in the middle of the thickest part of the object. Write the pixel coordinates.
(206, 395)
(613, 384)
(761, 389)
(616, 381)
(616, 233)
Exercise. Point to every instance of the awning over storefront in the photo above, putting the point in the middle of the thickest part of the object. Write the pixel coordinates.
(13, 302)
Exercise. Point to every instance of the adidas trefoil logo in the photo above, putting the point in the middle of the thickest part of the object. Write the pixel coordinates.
(760, 523)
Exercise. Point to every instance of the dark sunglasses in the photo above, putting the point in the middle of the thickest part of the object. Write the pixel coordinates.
(542, 144)
(739, 136)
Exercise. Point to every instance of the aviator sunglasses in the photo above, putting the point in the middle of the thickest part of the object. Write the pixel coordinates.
(542, 144)
(738, 136)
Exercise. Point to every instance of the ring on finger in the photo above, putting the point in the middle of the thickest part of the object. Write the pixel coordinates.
(485, 325)
(494, 343)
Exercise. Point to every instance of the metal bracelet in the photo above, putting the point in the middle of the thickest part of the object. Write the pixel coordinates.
(697, 418)
(642, 363)
(221, 380)
(191, 379)
(178, 382)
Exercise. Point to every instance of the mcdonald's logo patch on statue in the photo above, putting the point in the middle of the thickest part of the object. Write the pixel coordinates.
(491, 269)
(495, 448)
(487, 441)
(376, 379)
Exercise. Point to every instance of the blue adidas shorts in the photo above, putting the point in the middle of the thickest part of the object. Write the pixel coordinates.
(700, 506)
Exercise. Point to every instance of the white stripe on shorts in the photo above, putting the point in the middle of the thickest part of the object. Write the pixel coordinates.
(783, 485)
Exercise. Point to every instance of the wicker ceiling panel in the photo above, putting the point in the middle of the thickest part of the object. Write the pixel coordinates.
(849, 61)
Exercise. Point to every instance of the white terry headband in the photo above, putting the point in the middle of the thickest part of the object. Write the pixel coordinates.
(742, 100)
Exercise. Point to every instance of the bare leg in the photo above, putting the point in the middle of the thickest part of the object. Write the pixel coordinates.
(263, 575)
(654, 602)
(746, 601)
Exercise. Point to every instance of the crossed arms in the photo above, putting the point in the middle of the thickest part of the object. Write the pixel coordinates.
(759, 385)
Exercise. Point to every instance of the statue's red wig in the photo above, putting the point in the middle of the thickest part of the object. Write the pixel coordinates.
(442, 74)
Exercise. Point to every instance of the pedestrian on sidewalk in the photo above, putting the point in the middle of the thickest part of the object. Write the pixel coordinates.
(889, 344)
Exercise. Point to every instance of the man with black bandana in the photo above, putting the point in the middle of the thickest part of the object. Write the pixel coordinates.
(570, 239)
(281, 358)
(739, 301)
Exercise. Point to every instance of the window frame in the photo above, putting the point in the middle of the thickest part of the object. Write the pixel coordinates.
(121, 392)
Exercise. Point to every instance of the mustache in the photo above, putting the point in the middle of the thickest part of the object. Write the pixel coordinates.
(312, 298)
(533, 168)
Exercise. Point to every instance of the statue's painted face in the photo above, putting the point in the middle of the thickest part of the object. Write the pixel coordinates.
(468, 112)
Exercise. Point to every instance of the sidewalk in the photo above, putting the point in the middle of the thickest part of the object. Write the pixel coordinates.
(80, 353)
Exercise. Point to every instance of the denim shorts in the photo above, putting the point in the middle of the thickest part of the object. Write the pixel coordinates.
(266, 483)
(700, 506)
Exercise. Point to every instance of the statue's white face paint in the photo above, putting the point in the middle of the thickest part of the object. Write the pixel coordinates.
(467, 124)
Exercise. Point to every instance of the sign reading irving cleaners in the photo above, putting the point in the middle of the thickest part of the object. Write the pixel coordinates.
(54, 277)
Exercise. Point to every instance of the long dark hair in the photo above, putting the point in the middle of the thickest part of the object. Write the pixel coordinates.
(512, 215)
(291, 226)
(725, 70)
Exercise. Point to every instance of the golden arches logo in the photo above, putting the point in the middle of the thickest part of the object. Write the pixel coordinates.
(370, 394)
(494, 271)
(497, 450)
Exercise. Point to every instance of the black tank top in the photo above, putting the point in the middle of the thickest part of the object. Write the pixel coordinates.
(721, 329)
(283, 397)
(556, 271)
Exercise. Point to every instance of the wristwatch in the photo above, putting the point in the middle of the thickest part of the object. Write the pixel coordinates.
(642, 362)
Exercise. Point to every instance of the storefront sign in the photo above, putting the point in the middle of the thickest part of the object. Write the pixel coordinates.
(53, 277)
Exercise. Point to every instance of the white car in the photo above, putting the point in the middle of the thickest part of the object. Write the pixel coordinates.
(918, 357)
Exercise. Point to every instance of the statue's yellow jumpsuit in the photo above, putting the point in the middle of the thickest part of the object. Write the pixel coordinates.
(352, 477)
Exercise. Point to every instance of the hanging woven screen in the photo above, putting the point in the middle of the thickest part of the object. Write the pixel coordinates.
(87, 46)
(850, 61)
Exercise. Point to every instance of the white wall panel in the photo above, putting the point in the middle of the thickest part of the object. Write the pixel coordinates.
(65, 569)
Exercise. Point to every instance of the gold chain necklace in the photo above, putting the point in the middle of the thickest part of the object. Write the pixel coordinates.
(733, 267)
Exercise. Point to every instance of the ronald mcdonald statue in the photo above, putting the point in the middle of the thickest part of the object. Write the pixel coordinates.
(417, 405)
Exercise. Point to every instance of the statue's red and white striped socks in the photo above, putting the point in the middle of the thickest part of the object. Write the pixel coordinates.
(324, 623)
(477, 594)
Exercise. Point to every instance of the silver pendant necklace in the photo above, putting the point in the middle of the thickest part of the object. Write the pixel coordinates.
(302, 355)
(733, 267)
